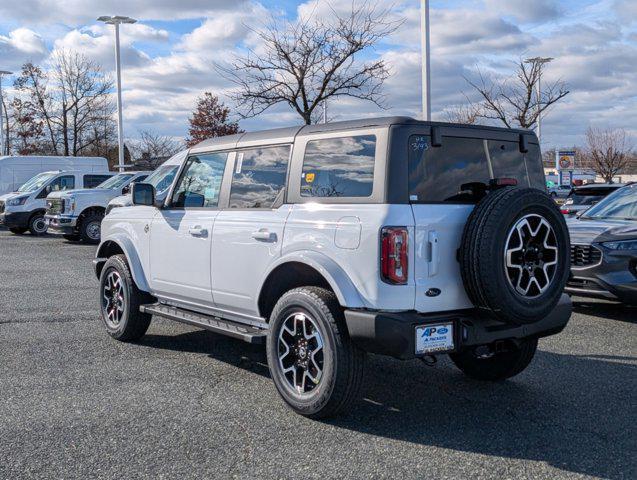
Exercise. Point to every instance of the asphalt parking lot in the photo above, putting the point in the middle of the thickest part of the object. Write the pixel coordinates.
(185, 403)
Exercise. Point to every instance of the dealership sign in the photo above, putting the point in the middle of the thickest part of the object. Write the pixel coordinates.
(566, 160)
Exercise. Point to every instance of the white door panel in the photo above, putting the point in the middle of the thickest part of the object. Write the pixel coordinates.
(245, 243)
(180, 253)
(438, 235)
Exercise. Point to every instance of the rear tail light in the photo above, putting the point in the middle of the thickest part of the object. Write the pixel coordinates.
(565, 211)
(393, 255)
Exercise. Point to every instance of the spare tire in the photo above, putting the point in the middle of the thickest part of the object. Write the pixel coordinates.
(515, 255)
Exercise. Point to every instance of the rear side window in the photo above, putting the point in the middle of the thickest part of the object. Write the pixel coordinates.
(200, 183)
(92, 181)
(339, 167)
(259, 176)
(444, 174)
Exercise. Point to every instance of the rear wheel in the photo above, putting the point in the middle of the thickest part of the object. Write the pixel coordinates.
(120, 300)
(482, 364)
(91, 228)
(17, 231)
(38, 225)
(314, 365)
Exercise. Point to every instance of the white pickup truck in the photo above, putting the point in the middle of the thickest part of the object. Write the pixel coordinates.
(77, 214)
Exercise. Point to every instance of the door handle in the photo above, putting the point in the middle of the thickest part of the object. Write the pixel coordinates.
(264, 235)
(198, 231)
(434, 257)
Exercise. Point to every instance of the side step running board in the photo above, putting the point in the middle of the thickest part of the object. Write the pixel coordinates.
(246, 333)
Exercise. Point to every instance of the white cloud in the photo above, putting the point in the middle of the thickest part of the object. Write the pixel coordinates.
(526, 10)
(19, 46)
(77, 12)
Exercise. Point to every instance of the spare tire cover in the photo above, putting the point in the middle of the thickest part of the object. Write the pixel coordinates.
(515, 255)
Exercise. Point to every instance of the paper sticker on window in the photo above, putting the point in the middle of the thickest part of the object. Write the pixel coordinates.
(309, 177)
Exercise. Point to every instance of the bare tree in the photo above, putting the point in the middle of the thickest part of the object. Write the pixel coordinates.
(72, 101)
(151, 149)
(469, 114)
(303, 63)
(608, 151)
(514, 100)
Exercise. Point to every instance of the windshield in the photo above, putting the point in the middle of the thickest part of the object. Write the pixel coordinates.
(622, 205)
(116, 182)
(37, 182)
(588, 196)
(163, 177)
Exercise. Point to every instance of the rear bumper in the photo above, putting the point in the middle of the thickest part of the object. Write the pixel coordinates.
(15, 219)
(61, 224)
(394, 334)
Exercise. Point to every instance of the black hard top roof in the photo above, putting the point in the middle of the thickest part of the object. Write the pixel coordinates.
(289, 133)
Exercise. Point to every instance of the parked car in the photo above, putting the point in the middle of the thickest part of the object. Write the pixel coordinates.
(560, 191)
(604, 248)
(582, 198)
(24, 209)
(390, 235)
(161, 178)
(77, 214)
(16, 171)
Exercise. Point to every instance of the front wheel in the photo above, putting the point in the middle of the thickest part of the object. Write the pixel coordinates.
(38, 225)
(91, 229)
(120, 300)
(481, 364)
(314, 364)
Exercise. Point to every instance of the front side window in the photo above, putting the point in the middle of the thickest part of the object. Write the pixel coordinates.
(65, 182)
(200, 182)
(339, 167)
(258, 178)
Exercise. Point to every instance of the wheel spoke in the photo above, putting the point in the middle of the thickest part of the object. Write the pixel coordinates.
(300, 353)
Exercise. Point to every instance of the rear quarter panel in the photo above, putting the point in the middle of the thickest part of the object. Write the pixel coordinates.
(349, 235)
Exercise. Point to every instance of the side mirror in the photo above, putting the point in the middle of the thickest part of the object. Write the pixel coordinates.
(48, 189)
(126, 190)
(143, 194)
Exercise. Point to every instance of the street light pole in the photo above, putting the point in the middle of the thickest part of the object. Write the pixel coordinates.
(116, 21)
(2, 147)
(425, 60)
(540, 62)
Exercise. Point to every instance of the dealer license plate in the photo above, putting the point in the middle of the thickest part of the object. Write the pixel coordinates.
(434, 338)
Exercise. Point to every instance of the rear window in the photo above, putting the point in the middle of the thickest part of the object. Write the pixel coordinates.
(339, 167)
(443, 174)
(588, 196)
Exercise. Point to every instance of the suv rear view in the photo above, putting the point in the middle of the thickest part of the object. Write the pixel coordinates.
(391, 236)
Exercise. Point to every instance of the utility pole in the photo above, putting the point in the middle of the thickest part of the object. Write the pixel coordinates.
(116, 21)
(2, 139)
(425, 60)
(540, 62)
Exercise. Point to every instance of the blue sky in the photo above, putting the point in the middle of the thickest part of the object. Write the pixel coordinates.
(169, 55)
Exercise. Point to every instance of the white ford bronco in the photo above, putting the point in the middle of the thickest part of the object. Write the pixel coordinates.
(77, 214)
(391, 236)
